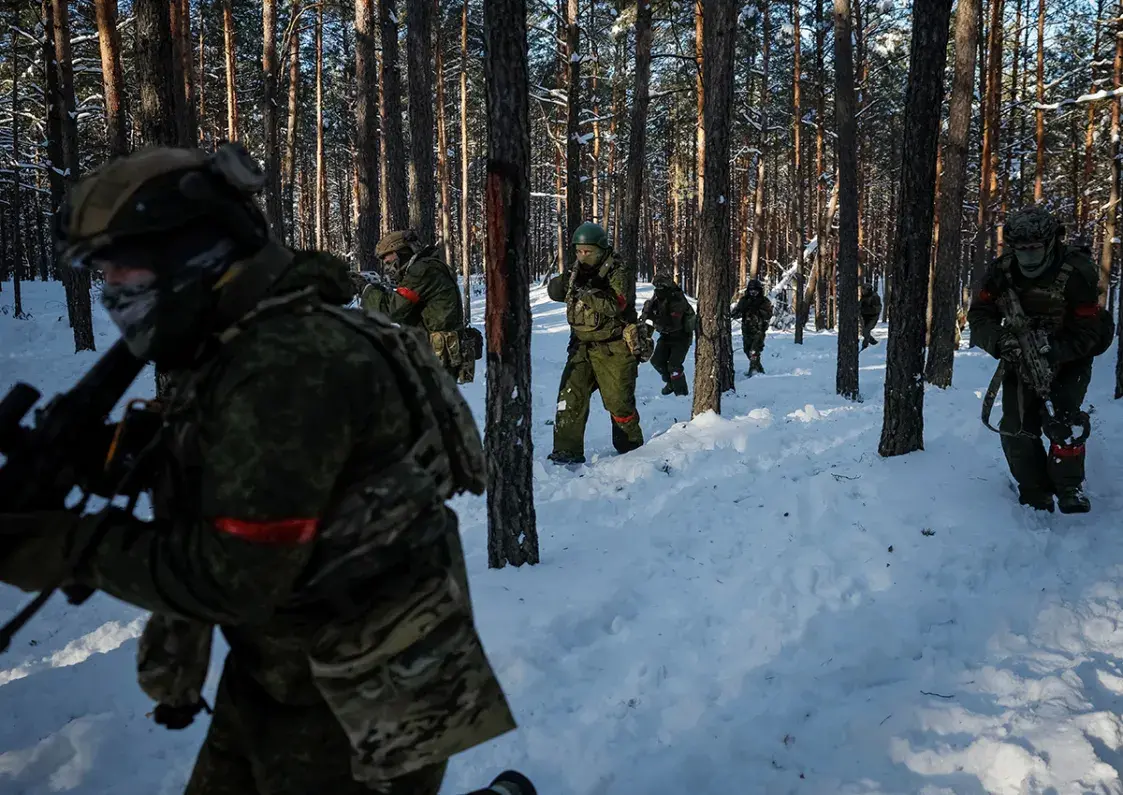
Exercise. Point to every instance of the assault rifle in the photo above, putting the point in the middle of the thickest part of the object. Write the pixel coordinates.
(1035, 371)
(65, 447)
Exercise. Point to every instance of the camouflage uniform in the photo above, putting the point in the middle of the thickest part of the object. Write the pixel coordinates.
(870, 309)
(299, 505)
(754, 311)
(597, 310)
(1062, 299)
(674, 319)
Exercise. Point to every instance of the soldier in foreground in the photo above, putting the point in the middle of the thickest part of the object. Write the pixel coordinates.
(1056, 287)
(755, 313)
(869, 307)
(426, 295)
(298, 485)
(674, 319)
(595, 293)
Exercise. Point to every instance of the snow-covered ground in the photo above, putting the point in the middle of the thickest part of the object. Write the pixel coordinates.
(752, 603)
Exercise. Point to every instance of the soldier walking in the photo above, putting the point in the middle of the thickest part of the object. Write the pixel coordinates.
(674, 319)
(755, 313)
(870, 309)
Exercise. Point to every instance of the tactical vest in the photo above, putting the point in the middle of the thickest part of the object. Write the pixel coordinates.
(1044, 304)
(590, 310)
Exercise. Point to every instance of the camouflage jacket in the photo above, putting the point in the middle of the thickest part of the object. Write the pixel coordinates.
(1064, 300)
(427, 295)
(870, 305)
(294, 511)
(670, 312)
(753, 314)
(597, 307)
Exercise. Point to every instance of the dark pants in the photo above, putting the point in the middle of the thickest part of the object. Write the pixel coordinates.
(869, 322)
(670, 353)
(1063, 467)
(258, 746)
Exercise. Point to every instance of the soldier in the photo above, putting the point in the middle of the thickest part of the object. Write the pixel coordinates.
(870, 309)
(298, 490)
(595, 292)
(372, 290)
(427, 296)
(755, 313)
(674, 319)
(1057, 288)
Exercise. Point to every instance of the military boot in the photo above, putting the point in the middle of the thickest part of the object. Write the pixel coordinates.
(1073, 500)
(668, 388)
(561, 458)
(678, 384)
(1036, 499)
(754, 364)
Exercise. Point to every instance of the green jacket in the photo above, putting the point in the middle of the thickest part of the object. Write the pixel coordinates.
(1079, 327)
(597, 307)
(293, 507)
(870, 305)
(755, 314)
(427, 295)
(670, 312)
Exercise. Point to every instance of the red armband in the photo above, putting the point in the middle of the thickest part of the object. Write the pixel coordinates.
(621, 301)
(273, 531)
(984, 296)
(1086, 310)
(408, 294)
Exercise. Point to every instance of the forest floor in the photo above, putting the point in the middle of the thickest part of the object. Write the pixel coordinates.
(752, 603)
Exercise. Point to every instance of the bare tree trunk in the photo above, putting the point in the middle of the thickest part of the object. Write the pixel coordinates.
(112, 82)
(203, 77)
(1038, 177)
(366, 144)
(714, 351)
(393, 143)
(321, 175)
(903, 427)
(231, 70)
(189, 114)
(512, 527)
(465, 230)
(758, 199)
(798, 181)
(14, 201)
(419, 54)
(179, 85)
(820, 112)
(156, 114)
(846, 375)
(945, 299)
(442, 143)
(573, 214)
(637, 146)
(290, 132)
(269, 116)
(991, 110)
(1089, 134)
(1111, 211)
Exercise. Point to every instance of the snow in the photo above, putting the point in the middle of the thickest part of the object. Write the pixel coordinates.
(751, 603)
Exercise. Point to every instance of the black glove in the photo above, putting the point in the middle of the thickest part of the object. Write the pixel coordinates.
(176, 718)
(1008, 347)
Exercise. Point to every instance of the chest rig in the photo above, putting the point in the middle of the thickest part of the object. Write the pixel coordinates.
(1044, 304)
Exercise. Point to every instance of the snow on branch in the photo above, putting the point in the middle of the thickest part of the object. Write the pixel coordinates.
(808, 250)
(1093, 97)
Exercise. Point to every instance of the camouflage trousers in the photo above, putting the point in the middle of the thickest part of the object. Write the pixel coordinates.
(752, 340)
(258, 746)
(611, 368)
(670, 353)
(1036, 472)
(869, 323)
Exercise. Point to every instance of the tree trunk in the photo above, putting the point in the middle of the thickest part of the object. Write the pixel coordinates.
(393, 144)
(758, 198)
(1039, 175)
(14, 201)
(465, 230)
(512, 535)
(179, 85)
(846, 375)
(109, 39)
(269, 116)
(637, 146)
(231, 72)
(1111, 211)
(945, 298)
(1089, 134)
(156, 114)
(321, 173)
(419, 54)
(798, 181)
(203, 76)
(442, 142)
(714, 351)
(819, 185)
(903, 427)
(366, 133)
(293, 120)
(991, 109)
(190, 117)
(573, 214)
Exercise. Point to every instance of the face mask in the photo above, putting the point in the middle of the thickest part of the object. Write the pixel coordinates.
(590, 258)
(1032, 262)
(132, 308)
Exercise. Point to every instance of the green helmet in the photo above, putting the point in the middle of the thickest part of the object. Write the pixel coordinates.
(663, 281)
(1031, 226)
(590, 234)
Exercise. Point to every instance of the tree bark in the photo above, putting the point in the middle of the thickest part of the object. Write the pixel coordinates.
(818, 183)
(903, 427)
(512, 527)
(109, 40)
(945, 298)
(419, 54)
(321, 173)
(1111, 211)
(1089, 134)
(14, 201)
(573, 214)
(179, 85)
(1039, 175)
(762, 156)
(393, 144)
(231, 72)
(846, 376)
(798, 180)
(465, 229)
(991, 108)
(366, 133)
(443, 176)
(637, 146)
(714, 351)
(190, 117)
(270, 120)
(293, 120)
(156, 114)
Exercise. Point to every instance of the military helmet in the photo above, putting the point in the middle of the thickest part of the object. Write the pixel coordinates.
(158, 190)
(400, 240)
(754, 286)
(663, 280)
(1030, 226)
(590, 234)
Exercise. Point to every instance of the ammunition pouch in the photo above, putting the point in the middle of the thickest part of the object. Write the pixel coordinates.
(637, 336)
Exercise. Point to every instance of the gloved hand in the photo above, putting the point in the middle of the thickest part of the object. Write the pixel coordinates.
(176, 718)
(34, 546)
(1008, 347)
(357, 282)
